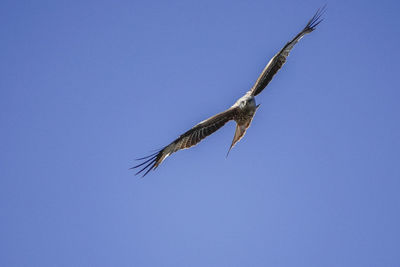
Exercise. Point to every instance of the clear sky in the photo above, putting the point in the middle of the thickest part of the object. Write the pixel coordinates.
(88, 86)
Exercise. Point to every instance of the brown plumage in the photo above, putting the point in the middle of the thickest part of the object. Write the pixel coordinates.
(277, 61)
(242, 112)
(188, 139)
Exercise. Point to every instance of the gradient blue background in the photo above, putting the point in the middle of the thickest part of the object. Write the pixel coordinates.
(88, 86)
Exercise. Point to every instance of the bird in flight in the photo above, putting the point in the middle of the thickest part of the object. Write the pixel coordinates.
(242, 112)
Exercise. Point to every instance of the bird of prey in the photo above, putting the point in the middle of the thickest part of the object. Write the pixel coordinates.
(242, 112)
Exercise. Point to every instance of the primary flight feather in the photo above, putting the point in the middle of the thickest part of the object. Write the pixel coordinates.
(242, 112)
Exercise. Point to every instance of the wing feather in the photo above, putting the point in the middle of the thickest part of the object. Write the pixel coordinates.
(188, 139)
(277, 61)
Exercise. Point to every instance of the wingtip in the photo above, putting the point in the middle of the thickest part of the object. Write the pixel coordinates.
(151, 161)
(316, 19)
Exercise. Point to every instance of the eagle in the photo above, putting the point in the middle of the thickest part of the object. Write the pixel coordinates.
(242, 111)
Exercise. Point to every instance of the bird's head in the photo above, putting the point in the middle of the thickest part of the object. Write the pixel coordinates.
(246, 102)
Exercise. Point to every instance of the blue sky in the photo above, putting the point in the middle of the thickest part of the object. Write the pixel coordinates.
(88, 86)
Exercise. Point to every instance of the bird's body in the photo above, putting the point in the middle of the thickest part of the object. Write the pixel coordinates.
(242, 111)
(245, 110)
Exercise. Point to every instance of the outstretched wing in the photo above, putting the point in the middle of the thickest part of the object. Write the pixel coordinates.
(186, 140)
(276, 63)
